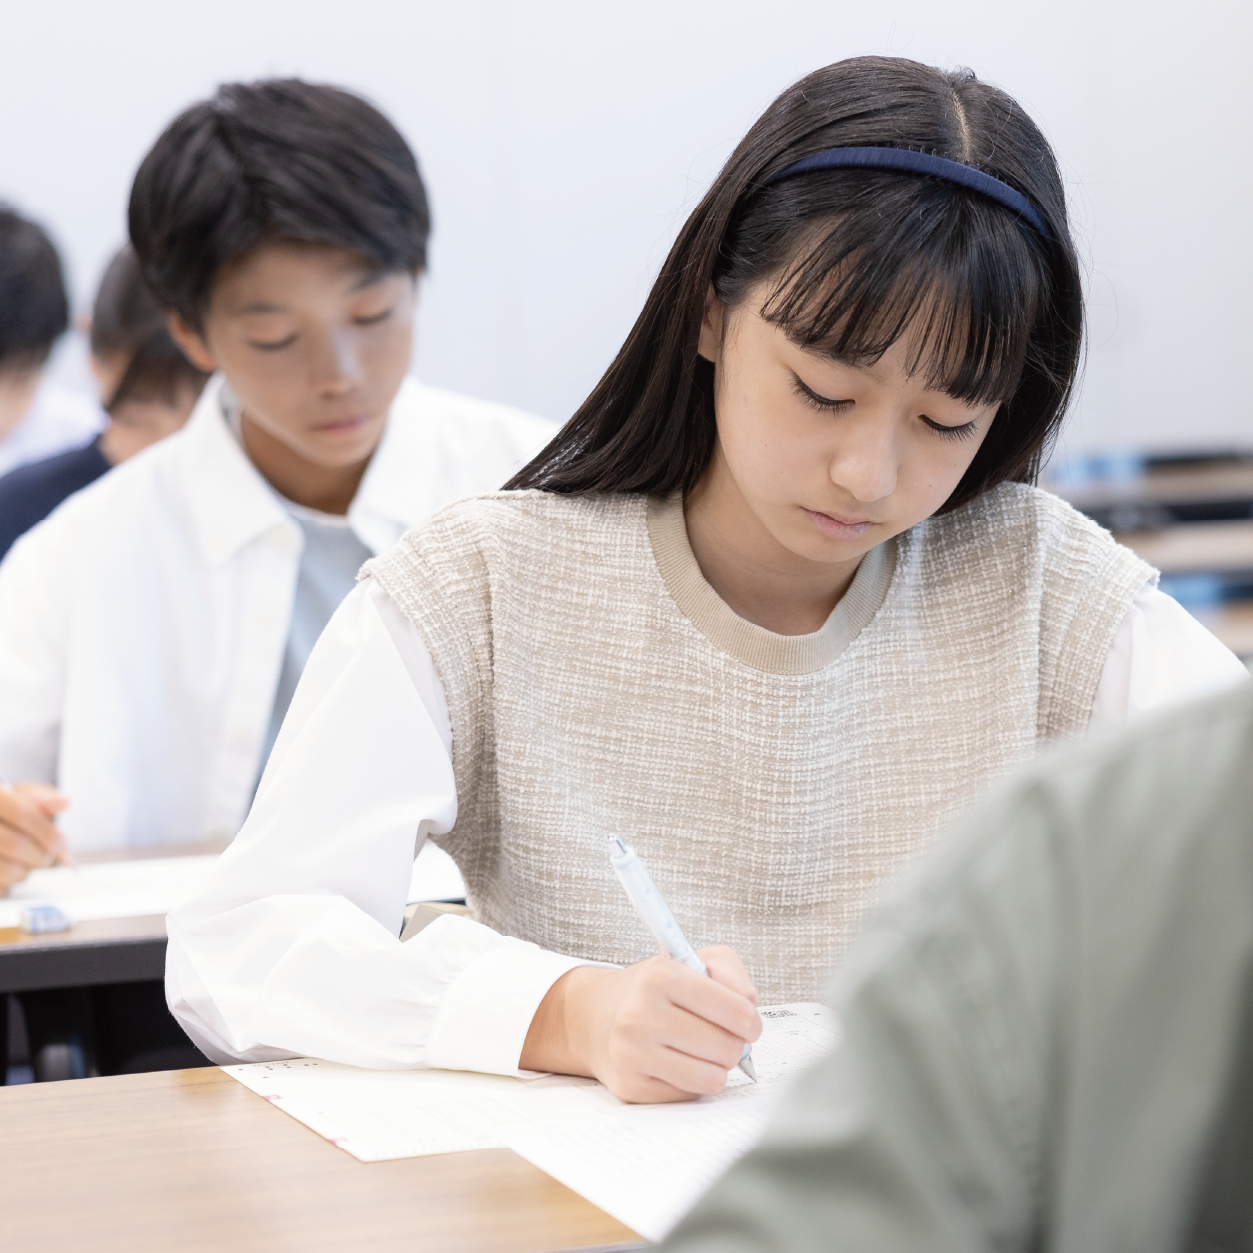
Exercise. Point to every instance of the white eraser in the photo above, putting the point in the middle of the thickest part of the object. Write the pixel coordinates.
(40, 919)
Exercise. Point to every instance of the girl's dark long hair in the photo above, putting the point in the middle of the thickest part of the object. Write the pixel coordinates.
(856, 258)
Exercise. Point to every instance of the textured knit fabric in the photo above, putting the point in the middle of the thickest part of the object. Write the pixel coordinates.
(770, 783)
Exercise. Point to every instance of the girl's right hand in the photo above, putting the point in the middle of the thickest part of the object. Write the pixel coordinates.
(653, 1032)
(28, 839)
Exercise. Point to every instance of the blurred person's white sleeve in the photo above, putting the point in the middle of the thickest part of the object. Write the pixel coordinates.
(292, 948)
(36, 603)
(1161, 655)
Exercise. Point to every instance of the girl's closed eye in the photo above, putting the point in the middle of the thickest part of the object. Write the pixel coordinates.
(962, 430)
(965, 430)
(815, 399)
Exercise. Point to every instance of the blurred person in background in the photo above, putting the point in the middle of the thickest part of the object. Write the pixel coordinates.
(147, 386)
(153, 628)
(1048, 1032)
(38, 417)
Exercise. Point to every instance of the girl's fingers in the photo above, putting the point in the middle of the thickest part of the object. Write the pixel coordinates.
(707, 999)
(677, 1031)
(654, 1032)
(726, 968)
(693, 1075)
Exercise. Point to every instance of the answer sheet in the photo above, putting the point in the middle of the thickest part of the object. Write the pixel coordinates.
(155, 885)
(644, 1164)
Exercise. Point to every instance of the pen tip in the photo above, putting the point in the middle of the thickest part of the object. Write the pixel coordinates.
(746, 1065)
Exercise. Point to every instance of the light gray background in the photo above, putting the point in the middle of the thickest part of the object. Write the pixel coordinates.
(564, 142)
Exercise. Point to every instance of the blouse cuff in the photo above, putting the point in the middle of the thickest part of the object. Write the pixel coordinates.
(486, 1012)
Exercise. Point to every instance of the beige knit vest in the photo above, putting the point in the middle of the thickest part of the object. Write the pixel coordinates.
(770, 783)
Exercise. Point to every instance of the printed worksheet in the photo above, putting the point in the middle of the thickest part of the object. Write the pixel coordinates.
(647, 1164)
(644, 1164)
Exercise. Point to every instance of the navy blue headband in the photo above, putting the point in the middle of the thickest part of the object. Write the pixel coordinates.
(919, 163)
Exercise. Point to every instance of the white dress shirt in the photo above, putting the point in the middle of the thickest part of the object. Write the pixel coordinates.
(57, 420)
(143, 624)
(291, 947)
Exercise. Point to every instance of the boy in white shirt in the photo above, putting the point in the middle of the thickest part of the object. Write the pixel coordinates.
(152, 629)
(38, 418)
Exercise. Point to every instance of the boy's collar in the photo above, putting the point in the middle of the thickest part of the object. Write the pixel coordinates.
(233, 504)
(229, 501)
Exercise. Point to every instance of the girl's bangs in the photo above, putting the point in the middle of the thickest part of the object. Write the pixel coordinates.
(960, 286)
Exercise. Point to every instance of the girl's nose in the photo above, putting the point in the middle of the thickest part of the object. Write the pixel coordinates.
(866, 468)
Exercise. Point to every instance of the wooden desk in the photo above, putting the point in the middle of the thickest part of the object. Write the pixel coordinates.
(189, 1161)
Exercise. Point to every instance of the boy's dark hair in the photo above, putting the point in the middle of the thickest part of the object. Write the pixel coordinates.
(854, 257)
(34, 309)
(279, 159)
(127, 322)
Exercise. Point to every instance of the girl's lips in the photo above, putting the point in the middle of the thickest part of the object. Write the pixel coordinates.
(838, 528)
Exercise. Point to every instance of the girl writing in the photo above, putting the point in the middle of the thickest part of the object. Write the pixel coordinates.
(775, 603)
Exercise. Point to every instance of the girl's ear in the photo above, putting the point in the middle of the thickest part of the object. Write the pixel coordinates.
(711, 327)
(191, 342)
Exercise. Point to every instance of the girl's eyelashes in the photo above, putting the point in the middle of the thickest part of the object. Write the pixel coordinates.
(965, 431)
(374, 319)
(811, 397)
(827, 405)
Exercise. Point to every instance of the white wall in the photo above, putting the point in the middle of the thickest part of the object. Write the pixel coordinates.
(564, 141)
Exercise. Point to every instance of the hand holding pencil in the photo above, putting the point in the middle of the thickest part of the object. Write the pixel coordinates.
(29, 839)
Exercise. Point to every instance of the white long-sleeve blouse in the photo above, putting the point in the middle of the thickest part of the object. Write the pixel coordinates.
(292, 948)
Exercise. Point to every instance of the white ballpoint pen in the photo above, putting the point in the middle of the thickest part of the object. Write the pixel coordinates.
(657, 917)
